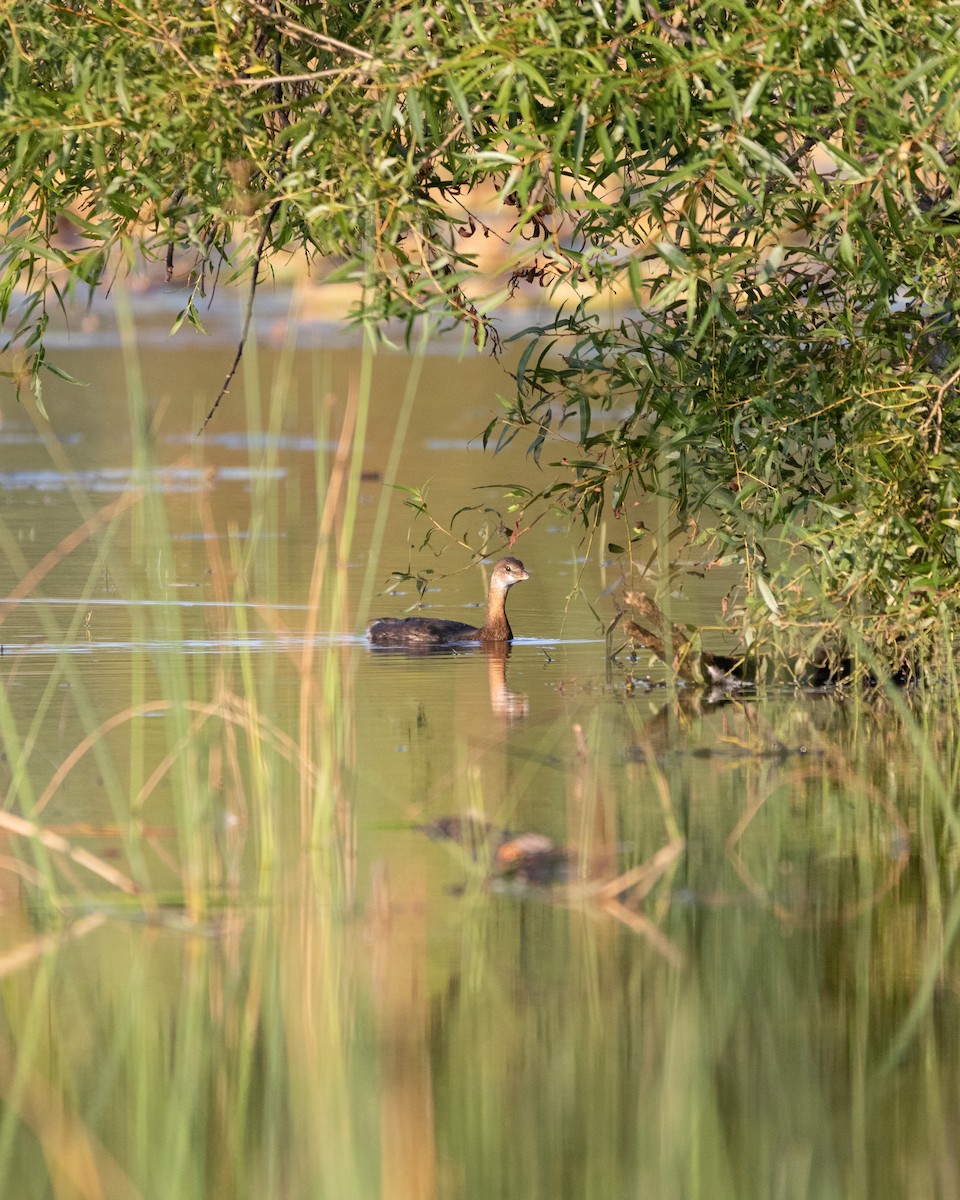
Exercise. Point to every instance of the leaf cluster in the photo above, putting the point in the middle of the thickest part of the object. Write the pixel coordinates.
(768, 194)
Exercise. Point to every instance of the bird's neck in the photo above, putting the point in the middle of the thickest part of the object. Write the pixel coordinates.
(496, 628)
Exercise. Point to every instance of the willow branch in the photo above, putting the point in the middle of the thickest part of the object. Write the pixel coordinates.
(248, 313)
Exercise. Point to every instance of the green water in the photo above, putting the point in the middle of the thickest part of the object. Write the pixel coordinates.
(232, 964)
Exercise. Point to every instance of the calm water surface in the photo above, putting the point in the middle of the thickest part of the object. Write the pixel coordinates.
(268, 929)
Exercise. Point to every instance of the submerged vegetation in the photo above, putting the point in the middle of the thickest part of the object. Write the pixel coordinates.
(766, 196)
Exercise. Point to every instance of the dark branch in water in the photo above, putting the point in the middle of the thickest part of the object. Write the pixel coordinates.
(687, 663)
(674, 648)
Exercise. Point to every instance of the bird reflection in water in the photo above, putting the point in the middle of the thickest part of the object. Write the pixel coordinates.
(503, 701)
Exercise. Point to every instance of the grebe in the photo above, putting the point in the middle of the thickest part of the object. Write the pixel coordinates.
(431, 631)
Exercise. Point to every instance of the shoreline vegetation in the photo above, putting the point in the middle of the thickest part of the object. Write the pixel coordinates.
(739, 223)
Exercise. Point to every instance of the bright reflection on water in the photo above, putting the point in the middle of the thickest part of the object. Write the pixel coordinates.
(289, 916)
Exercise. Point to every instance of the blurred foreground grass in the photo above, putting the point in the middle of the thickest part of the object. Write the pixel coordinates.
(210, 987)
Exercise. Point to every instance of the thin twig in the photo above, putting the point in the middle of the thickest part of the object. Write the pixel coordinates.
(248, 314)
(674, 34)
(259, 81)
(309, 35)
(935, 417)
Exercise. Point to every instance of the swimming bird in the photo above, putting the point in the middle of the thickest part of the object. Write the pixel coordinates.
(432, 631)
